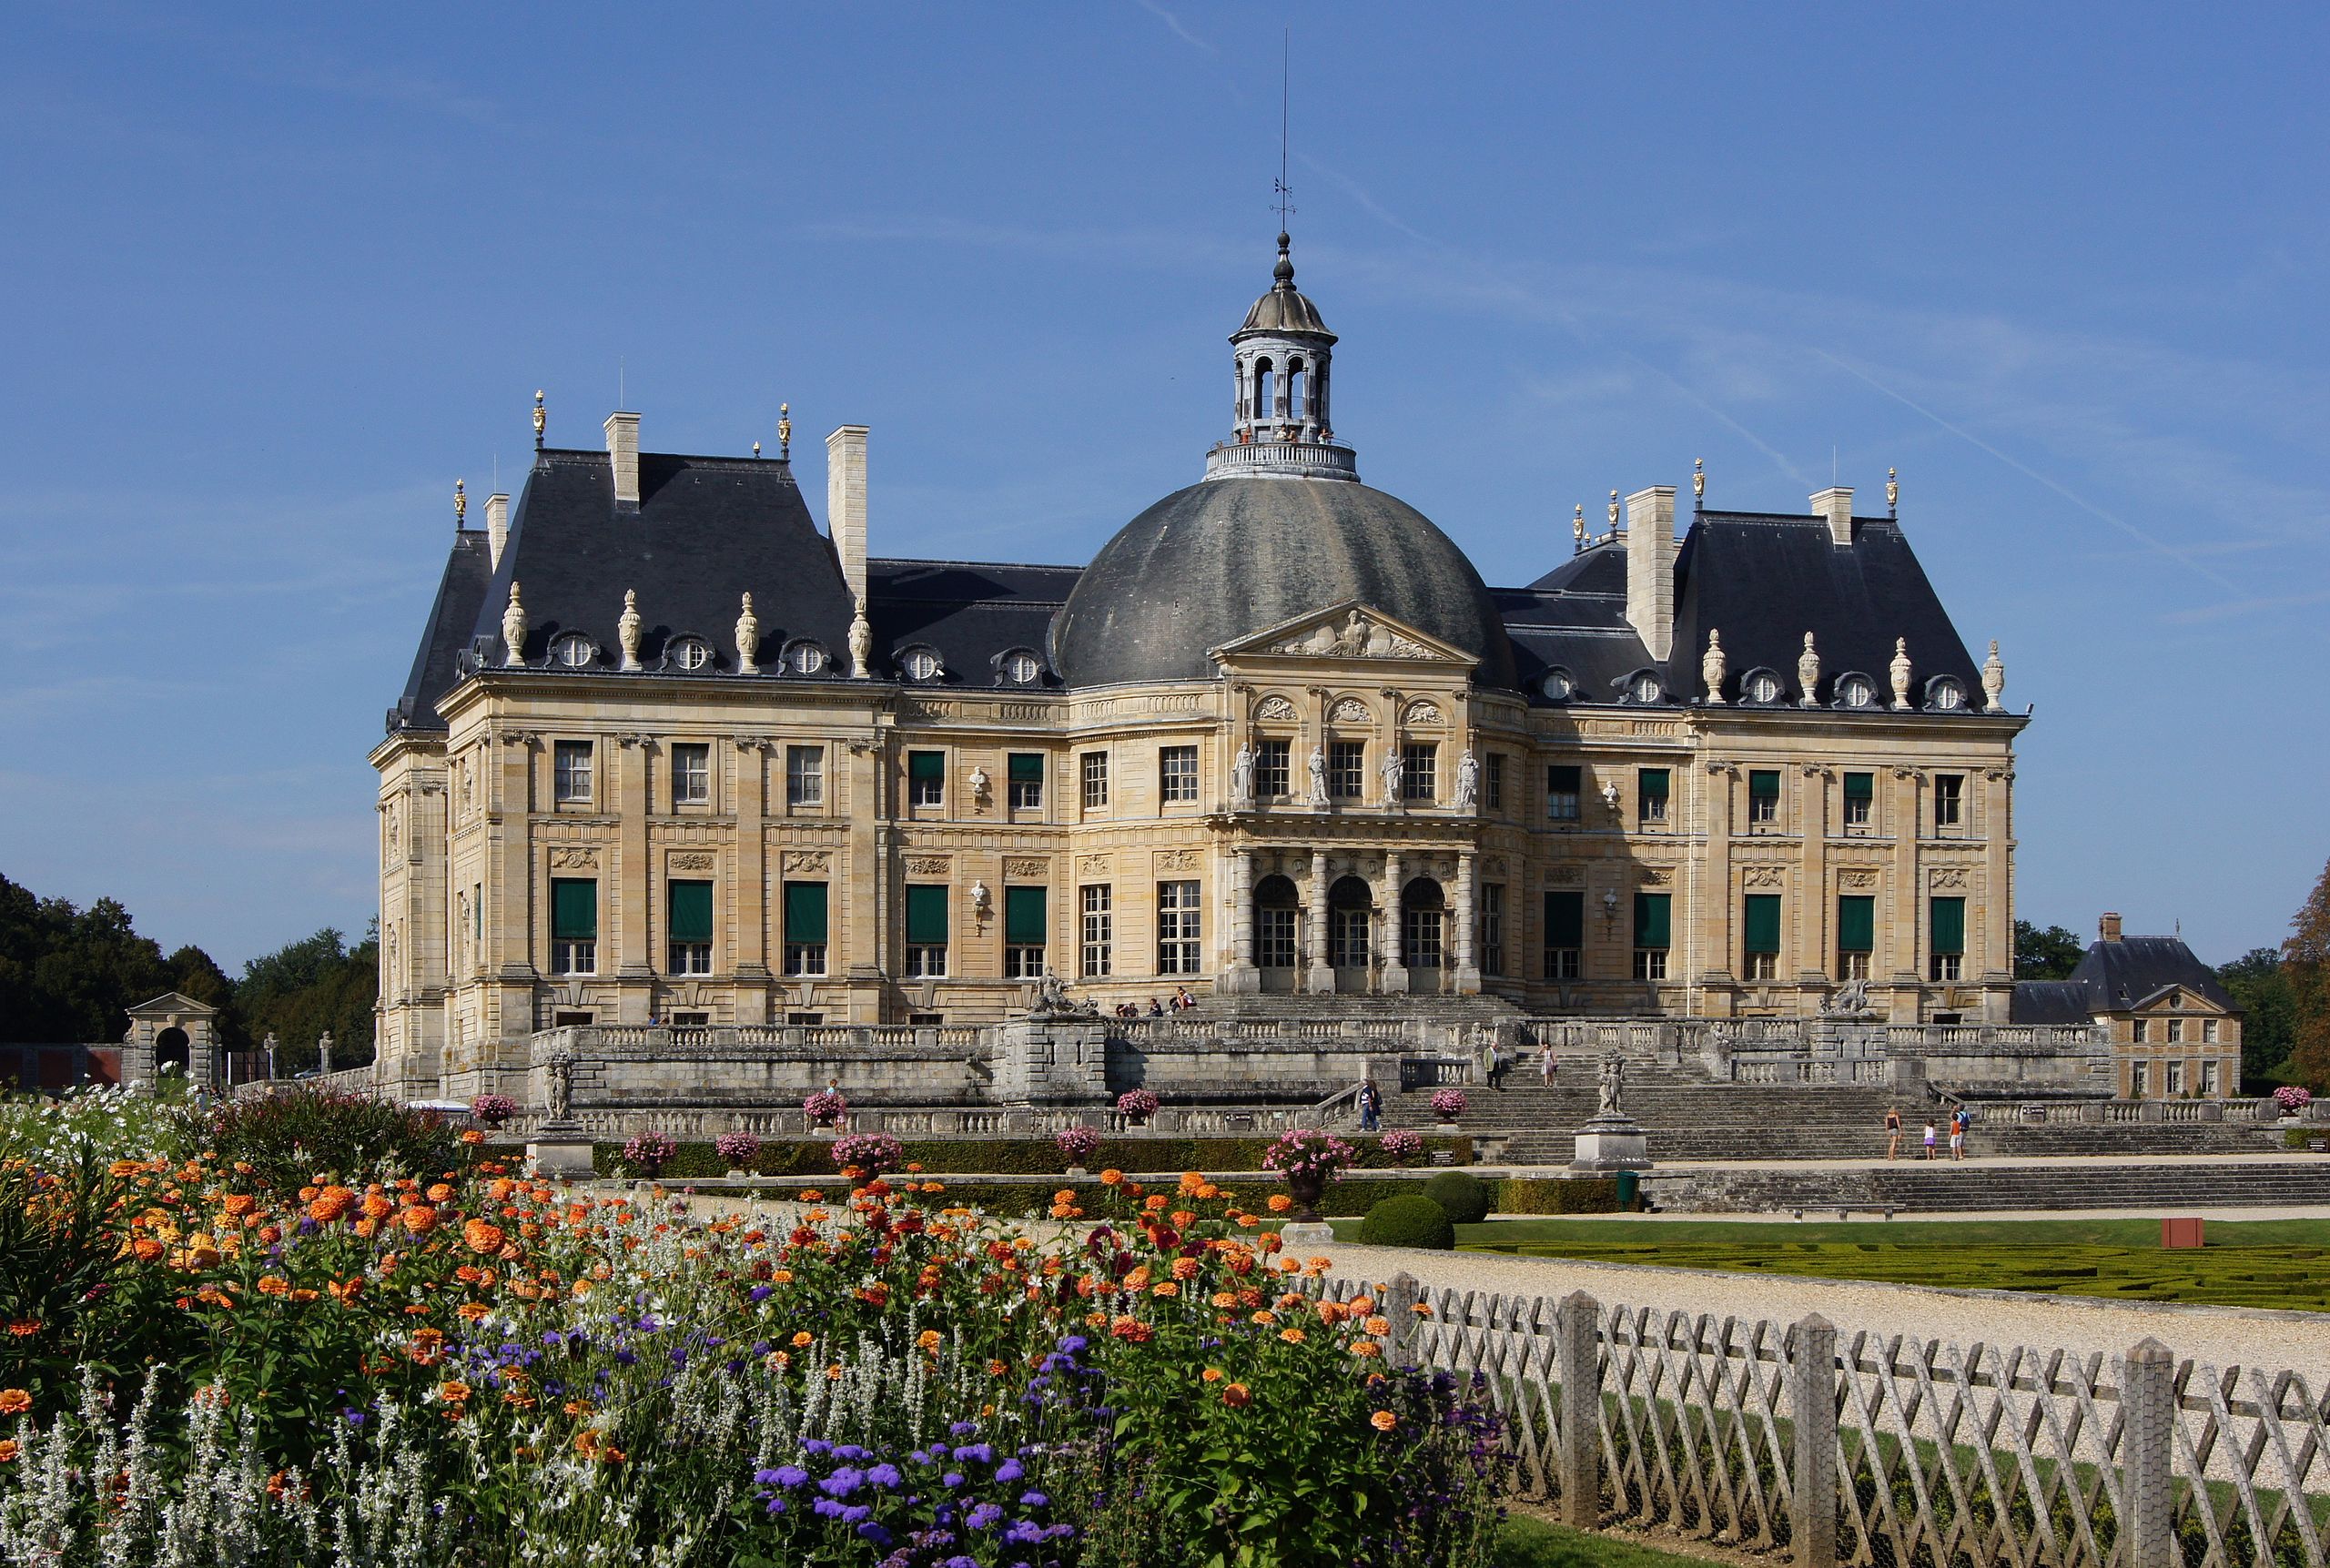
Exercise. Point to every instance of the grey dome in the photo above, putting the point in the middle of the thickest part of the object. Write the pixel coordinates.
(1228, 557)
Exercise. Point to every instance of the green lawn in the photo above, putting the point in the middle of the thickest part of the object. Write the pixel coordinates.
(1534, 1543)
(2255, 1263)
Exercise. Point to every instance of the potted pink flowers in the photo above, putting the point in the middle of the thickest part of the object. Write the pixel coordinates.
(739, 1149)
(825, 1109)
(868, 1156)
(1402, 1146)
(1137, 1106)
(493, 1109)
(1448, 1104)
(2292, 1098)
(648, 1152)
(1077, 1145)
(1308, 1161)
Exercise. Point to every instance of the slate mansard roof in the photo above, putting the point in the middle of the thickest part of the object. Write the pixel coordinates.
(2118, 977)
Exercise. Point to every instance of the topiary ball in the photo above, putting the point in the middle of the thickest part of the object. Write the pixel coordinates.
(1411, 1221)
(1462, 1195)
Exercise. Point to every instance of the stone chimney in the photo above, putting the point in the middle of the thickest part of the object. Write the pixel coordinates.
(623, 456)
(497, 526)
(845, 504)
(1835, 505)
(2108, 928)
(1650, 568)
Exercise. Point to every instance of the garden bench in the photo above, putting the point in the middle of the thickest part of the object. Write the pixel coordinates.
(1845, 1210)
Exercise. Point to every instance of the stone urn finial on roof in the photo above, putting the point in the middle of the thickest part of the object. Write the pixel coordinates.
(627, 629)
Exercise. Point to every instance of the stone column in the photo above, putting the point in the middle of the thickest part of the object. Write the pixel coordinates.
(635, 876)
(1468, 968)
(1903, 943)
(1814, 906)
(1240, 975)
(1396, 973)
(1997, 903)
(1712, 919)
(1322, 979)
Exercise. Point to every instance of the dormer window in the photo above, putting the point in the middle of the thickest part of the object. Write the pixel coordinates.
(1944, 695)
(691, 654)
(1760, 686)
(1021, 668)
(1642, 686)
(1558, 686)
(804, 658)
(1855, 692)
(571, 650)
(921, 664)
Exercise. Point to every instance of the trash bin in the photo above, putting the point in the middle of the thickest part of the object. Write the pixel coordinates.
(1629, 1191)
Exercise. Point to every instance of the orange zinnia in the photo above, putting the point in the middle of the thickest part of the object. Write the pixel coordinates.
(7, 1449)
(15, 1401)
(420, 1220)
(1112, 1178)
(1383, 1421)
(274, 1285)
(483, 1236)
(1237, 1396)
(331, 1204)
(1281, 1203)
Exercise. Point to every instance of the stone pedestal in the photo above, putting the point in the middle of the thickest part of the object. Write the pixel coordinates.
(1306, 1233)
(1611, 1142)
(1051, 1061)
(560, 1148)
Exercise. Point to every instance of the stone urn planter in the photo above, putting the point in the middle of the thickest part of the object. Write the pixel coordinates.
(1306, 1188)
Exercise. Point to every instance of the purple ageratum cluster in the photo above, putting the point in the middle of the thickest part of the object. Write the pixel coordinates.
(738, 1148)
(1077, 1145)
(2291, 1097)
(1403, 1145)
(493, 1109)
(649, 1151)
(950, 1505)
(825, 1106)
(1448, 1104)
(875, 1153)
(1137, 1102)
(1303, 1152)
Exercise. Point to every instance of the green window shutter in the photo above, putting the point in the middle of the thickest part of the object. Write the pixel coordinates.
(926, 766)
(1652, 921)
(691, 911)
(1763, 923)
(1027, 767)
(1026, 922)
(804, 912)
(1856, 924)
(1564, 919)
(1561, 779)
(927, 916)
(1654, 783)
(1764, 784)
(1948, 924)
(1860, 787)
(574, 910)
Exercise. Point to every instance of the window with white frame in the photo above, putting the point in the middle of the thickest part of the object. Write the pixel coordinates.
(1098, 933)
(1273, 764)
(805, 776)
(926, 778)
(1419, 771)
(1177, 775)
(926, 930)
(1948, 801)
(570, 772)
(1093, 770)
(1346, 769)
(1178, 916)
(1563, 783)
(691, 775)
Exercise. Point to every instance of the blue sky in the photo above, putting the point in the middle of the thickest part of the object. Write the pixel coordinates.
(276, 278)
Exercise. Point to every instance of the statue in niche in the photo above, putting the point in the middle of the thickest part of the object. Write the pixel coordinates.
(1613, 1084)
(1318, 766)
(1468, 781)
(1242, 774)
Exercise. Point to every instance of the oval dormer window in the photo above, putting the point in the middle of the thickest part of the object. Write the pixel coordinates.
(1559, 686)
(1644, 688)
(573, 650)
(804, 659)
(1855, 692)
(922, 664)
(1763, 686)
(1945, 695)
(1020, 668)
(691, 654)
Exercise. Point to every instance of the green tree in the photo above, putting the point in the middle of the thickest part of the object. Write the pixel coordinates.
(2305, 959)
(68, 974)
(305, 987)
(2259, 984)
(2045, 952)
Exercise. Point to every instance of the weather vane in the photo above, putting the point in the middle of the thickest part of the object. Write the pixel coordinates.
(1283, 191)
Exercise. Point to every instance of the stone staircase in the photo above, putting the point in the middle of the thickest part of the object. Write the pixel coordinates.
(1430, 1008)
(1940, 1187)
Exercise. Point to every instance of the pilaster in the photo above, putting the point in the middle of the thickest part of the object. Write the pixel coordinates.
(1468, 969)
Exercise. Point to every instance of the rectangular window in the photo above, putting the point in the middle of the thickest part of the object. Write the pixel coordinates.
(1856, 934)
(1565, 933)
(692, 774)
(1492, 783)
(1347, 935)
(804, 928)
(926, 930)
(1177, 775)
(1763, 797)
(1491, 936)
(2208, 1031)
(1949, 800)
(926, 778)
(574, 926)
(1650, 795)
(2175, 1031)
(1561, 791)
(2139, 1080)
(1860, 796)
(1026, 930)
(1025, 771)
(1946, 921)
(1176, 927)
(1418, 770)
(2139, 1031)
(2209, 1080)
(1422, 932)
(1275, 939)
(571, 772)
(1099, 931)
(688, 906)
(805, 775)
(1096, 780)
(2175, 1078)
(1760, 941)
(1273, 769)
(1653, 934)
(1346, 769)
(477, 922)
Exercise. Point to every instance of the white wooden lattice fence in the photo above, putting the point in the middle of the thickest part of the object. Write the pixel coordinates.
(1862, 1448)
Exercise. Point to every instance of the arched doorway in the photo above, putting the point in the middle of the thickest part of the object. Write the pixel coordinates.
(1278, 935)
(1424, 932)
(1351, 917)
(171, 1046)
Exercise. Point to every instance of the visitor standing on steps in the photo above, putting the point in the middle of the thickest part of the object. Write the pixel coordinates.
(1371, 1106)
(1497, 1064)
(1928, 1138)
(1958, 1121)
(1545, 1064)
(1892, 1132)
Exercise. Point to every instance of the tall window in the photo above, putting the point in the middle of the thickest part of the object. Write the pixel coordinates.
(1565, 933)
(1419, 769)
(926, 778)
(1177, 775)
(804, 928)
(1346, 769)
(1763, 797)
(926, 930)
(1490, 935)
(1561, 791)
(1949, 800)
(2209, 1080)
(691, 775)
(2175, 1031)
(688, 906)
(2175, 1073)
(1349, 910)
(1026, 772)
(1650, 795)
(1860, 797)
(571, 771)
(1653, 934)
(574, 926)
(1856, 934)
(2137, 1078)
(1096, 780)
(1274, 924)
(1945, 922)
(1262, 409)
(1098, 933)
(1176, 927)
(1422, 929)
(1492, 783)
(2208, 1031)
(1761, 942)
(1273, 769)
(805, 775)
(1026, 929)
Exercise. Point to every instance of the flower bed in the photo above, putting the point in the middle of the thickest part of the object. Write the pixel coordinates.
(1034, 1156)
(466, 1367)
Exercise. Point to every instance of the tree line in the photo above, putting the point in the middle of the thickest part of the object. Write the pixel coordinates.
(70, 975)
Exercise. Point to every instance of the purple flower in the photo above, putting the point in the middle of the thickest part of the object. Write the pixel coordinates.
(1009, 1471)
(884, 1475)
(986, 1516)
(1035, 1499)
(760, 1293)
(842, 1482)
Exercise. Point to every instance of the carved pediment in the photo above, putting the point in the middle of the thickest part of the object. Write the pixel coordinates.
(1347, 630)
